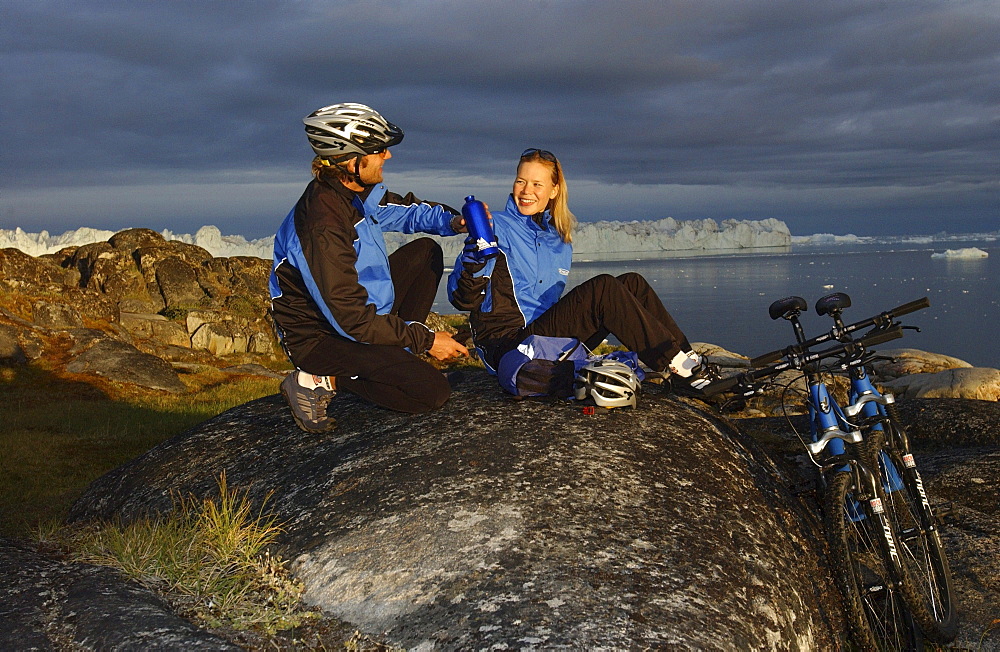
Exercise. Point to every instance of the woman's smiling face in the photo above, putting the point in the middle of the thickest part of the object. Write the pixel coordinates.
(533, 187)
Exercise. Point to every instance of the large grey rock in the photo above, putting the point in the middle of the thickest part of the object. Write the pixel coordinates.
(951, 424)
(957, 447)
(11, 350)
(122, 362)
(178, 282)
(905, 362)
(524, 524)
(55, 315)
(971, 382)
(46, 604)
(156, 327)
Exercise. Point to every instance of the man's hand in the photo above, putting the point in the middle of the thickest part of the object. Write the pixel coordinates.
(445, 347)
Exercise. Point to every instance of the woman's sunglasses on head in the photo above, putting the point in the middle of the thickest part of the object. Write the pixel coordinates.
(542, 154)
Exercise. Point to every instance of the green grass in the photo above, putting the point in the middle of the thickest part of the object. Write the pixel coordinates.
(60, 434)
(207, 557)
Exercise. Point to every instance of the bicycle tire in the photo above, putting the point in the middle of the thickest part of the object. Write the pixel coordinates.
(929, 591)
(875, 608)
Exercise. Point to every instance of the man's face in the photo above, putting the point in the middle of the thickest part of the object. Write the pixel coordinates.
(370, 167)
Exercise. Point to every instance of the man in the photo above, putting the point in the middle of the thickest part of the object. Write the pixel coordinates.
(349, 315)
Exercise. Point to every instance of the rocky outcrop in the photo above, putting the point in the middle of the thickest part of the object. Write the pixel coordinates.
(500, 523)
(957, 446)
(973, 382)
(905, 362)
(46, 604)
(911, 373)
(118, 361)
(493, 522)
(141, 290)
(138, 273)
(11, 350)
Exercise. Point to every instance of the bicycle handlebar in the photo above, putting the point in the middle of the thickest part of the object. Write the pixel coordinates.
(799, 359)
(912, 306)
(883, 319)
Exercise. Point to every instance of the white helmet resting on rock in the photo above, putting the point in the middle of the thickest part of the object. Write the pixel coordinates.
(609, 383)
(347, 130)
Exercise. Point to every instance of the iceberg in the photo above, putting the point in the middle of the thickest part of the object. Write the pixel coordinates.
(967, 253)
(211, 239)
(605, 238)
(651, 238)
(207, 237)
(36, 244)
(826, 239)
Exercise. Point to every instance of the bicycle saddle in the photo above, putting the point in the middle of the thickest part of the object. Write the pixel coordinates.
(787, 307)
(832, 303)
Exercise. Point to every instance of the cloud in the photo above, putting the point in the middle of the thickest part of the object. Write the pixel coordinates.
(770, 101)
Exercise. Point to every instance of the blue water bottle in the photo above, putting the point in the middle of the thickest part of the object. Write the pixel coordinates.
(479, 227)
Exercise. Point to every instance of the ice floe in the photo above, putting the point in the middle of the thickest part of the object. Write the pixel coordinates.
(968, 252)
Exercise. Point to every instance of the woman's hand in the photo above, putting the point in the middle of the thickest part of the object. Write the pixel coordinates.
(458, 224)
(445, 347)
(470, 258)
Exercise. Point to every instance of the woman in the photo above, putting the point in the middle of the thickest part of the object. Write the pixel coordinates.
(519, 292)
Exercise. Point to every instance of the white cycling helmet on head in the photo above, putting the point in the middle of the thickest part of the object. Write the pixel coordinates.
(347, 130)
(610, 383)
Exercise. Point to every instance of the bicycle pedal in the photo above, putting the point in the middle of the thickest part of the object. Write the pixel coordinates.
(945, 512)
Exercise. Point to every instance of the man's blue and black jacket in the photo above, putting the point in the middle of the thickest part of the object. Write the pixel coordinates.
(330, 274)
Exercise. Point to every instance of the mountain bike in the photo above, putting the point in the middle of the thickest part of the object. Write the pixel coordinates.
(887, 449)
(884, 542)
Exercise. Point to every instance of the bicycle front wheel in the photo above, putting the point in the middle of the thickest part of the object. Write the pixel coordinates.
(932, 599)
(876, 611)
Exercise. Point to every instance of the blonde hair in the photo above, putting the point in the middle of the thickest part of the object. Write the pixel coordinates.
(562, 218)
(322, 170)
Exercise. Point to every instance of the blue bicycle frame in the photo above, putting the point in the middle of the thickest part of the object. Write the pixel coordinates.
(828, 422)
(869, 403)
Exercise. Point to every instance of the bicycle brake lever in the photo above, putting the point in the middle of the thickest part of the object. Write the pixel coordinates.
(911, 328)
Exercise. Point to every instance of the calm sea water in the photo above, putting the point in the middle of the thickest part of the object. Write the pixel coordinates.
(723, 298)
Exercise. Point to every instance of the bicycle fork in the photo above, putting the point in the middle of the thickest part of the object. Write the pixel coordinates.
(867, 505)
(879, 409)
(826, 418)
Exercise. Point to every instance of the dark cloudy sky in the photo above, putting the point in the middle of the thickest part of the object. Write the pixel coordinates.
(868, 116)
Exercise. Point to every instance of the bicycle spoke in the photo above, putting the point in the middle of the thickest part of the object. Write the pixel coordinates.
(931, 596)
(876, 611)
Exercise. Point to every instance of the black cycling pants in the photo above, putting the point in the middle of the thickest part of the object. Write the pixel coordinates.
(624, 306)
(391, 376)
